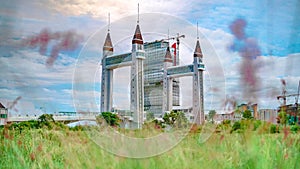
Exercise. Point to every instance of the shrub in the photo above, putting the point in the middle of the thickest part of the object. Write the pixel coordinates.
(159, 124)
(295, 128)
(247, 114)
(226, 122)
(111, 119)
(256, 124)
(175, 119)
(273, 128)
(236, 126)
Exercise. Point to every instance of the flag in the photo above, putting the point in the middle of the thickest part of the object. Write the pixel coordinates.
(174, 46)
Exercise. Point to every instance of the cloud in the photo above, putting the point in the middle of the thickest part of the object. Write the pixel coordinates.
(27, 69)
(117, 8)
(27, 76)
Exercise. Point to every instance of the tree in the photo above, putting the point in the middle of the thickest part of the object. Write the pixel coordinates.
(211, 115)
(111, 119)
(175, 119)
(46, 120)
(169, 118)
(236, 126)
(282, 118)
(247, 114)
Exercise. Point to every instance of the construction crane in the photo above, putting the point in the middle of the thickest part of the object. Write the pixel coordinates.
(291, 109)
(296, 107)
(289, 95)
(176, 53)
(284, 96)
(297, 97)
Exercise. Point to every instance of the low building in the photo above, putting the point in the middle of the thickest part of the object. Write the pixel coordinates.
(268, 115)
(233, 116)
(219, 118)
(292, 111)
(252, 107)
(3, 114)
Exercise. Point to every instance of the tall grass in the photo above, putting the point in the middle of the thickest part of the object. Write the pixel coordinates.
(44, 148)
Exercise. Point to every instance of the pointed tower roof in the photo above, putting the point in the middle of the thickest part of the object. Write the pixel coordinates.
(198, 52)
(1, 106)
(168, 57)
(137, 37)
(108, 44)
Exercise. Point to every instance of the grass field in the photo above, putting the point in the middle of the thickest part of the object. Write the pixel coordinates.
(44, 148)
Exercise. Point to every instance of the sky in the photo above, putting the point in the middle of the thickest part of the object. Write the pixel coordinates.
(62, 71)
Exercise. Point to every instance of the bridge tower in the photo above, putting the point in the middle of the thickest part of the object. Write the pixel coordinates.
(107, 77)
(167, 83)
(137, 78)
(198, 106)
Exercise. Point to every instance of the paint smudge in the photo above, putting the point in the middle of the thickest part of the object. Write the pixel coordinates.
(230, 103)
(248, 49)
(57, 41)
(11, 105)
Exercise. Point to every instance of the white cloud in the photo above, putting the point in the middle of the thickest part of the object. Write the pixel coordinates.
(118, 8)
(27, 69)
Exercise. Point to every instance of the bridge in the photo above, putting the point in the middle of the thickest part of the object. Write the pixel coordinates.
(185, 70)
(55, 117)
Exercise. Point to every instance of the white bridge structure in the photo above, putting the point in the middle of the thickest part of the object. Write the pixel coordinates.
(135, 59)
(66, 118)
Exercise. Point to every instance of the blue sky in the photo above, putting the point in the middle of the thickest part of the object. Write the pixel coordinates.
(273, 24)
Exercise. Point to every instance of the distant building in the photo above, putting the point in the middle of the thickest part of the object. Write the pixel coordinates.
(252, 107)
(292, 111)
(153, 77)
(237, 114)
(233, 116)
(219, 118)
(3, 115)
(268, 115)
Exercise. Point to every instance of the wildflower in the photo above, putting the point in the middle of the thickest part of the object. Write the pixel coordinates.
(262, 141)
(32, 156)
(40, 148)
(286, 132)
(286, 156)
(19, 142)
(222, 137)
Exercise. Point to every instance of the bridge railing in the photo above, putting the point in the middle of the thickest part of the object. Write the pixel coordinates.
(56, 118)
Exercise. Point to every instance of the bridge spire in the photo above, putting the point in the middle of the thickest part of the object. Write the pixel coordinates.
(138, 16)
(108, 46)
(168, 57)
(137, 37)
(198, 51)
(108, 27)
(197, 32)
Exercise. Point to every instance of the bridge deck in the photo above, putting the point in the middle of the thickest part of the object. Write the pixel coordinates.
(56, 118)
(118, 60)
